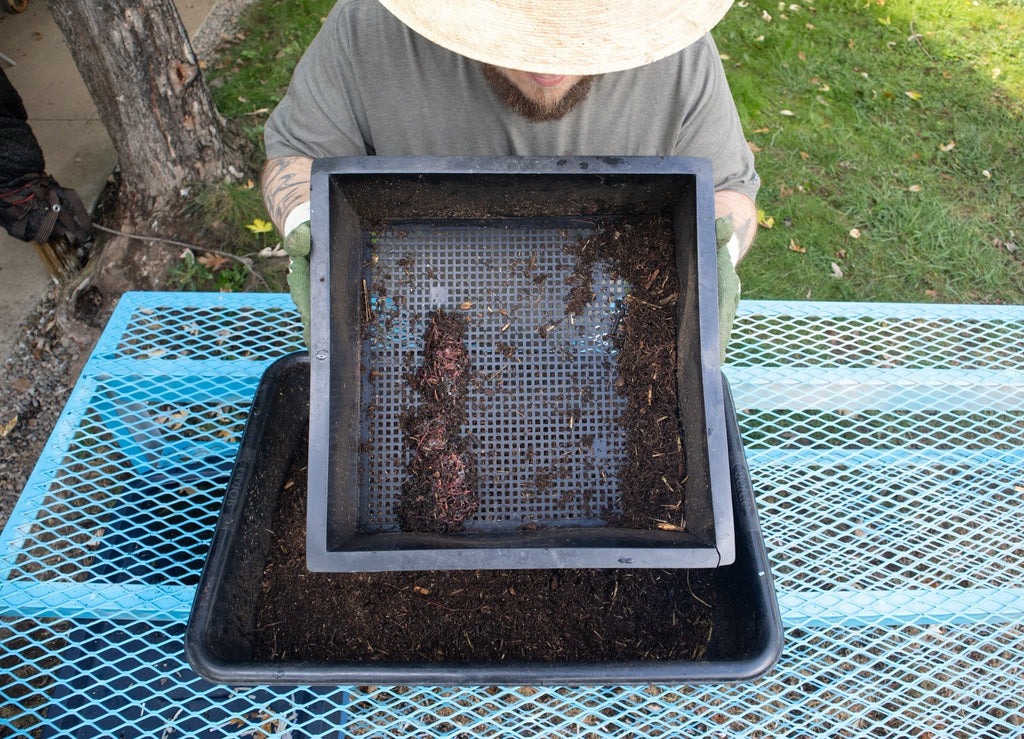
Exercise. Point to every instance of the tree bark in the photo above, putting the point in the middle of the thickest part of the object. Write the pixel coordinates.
(139, 67)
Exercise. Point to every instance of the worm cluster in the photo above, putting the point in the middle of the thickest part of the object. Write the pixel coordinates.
(440, 491)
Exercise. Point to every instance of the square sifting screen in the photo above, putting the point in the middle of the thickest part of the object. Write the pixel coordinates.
(510, 452)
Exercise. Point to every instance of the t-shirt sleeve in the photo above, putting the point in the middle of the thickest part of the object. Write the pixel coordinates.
(320, 115)
(712, 127)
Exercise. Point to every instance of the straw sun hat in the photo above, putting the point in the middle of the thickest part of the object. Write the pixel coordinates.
(561, 36)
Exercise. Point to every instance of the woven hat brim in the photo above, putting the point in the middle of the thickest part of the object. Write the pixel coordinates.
(561, 36)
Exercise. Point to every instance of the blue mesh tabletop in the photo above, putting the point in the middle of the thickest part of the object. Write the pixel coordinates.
(886, 448)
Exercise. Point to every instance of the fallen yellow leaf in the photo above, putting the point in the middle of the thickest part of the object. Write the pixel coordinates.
(913, 95)
(947, 147)
(855, 233)
(915, 188)
(764, 220)
(259, 226)
(793, 246)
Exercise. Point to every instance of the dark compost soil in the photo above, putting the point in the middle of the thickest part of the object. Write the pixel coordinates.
(652, 476)
(461, 616)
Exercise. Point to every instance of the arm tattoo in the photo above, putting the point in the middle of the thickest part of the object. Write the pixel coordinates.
(285, 185)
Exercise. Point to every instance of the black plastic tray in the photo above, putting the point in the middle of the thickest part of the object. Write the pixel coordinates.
(746, 636)
(395, 237)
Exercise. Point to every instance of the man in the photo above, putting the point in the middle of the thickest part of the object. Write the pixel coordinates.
(492, 77)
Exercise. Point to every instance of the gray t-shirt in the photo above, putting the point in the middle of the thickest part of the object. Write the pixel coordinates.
(368, 85)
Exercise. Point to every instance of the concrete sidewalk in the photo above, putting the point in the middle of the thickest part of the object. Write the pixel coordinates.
(78, 152)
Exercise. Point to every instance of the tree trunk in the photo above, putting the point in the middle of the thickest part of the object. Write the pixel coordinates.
(139, 68)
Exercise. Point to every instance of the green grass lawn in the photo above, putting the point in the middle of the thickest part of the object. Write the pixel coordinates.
(889, 137)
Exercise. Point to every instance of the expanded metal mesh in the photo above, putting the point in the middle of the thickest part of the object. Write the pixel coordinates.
(886, 448)
(887, 441)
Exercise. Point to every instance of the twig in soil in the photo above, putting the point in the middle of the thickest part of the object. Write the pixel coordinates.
(695, 596)
(634, 299)
(159, 239)
(699, 650)
(367, 313)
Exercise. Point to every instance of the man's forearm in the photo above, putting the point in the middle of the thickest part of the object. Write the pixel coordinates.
(740, 209)
(285, 186)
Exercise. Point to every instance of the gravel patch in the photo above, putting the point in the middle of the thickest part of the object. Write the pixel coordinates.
(35, 383)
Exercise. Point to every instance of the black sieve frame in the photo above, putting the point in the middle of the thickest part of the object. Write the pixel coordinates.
(356, 197)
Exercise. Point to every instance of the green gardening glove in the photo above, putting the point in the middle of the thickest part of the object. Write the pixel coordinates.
(296, 246)
(728, 284)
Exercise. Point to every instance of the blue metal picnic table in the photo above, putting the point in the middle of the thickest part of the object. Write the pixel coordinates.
(886, 448)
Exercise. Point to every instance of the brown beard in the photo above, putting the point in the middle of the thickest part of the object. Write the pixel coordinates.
(529, 109)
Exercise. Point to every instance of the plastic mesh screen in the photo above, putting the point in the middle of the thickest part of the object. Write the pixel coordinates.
(895, 533)
(542, 404)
